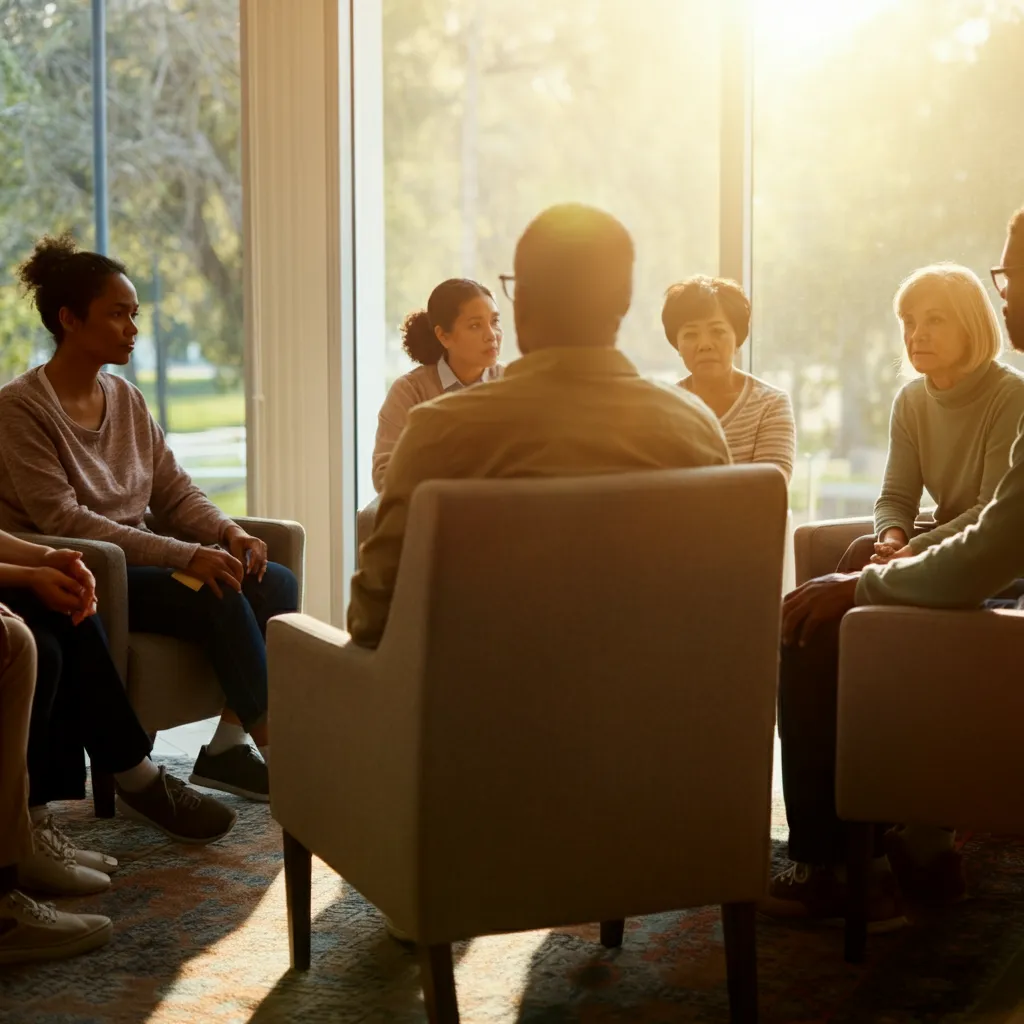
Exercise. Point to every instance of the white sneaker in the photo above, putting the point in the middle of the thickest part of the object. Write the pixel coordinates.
(84, 858)
(52, 868)
(397, 934)
(38, 931)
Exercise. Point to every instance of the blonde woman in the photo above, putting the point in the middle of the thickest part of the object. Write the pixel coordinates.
(952, 427)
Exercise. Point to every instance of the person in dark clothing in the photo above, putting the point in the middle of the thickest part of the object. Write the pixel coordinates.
(969, 570)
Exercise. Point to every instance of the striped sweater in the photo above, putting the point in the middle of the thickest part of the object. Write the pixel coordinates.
(759, 426)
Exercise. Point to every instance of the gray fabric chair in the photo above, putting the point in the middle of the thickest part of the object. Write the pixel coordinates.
(169, 682)
(928, 729)
(577, 678)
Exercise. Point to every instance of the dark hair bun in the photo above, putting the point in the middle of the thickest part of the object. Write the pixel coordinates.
(443, 307)
(419, 340)
(49, 254)
(59, 275)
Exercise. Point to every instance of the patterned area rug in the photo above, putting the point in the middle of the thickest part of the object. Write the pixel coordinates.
(200, 936)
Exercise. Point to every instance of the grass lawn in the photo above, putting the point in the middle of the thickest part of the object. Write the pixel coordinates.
(188, 413)
(196, 404)
(231, 503)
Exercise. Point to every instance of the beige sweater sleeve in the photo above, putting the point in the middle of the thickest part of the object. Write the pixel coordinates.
(45, 493)
(391, 420)
(175, 501)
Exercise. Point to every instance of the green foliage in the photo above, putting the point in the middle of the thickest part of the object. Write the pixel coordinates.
(878, 152)
(886, 149)
(174, 156)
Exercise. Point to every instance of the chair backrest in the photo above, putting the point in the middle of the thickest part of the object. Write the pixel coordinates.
(595, 662)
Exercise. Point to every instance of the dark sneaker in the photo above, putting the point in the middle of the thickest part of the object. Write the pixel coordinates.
(31, 931)
(807, 892)
(239, 770)
(178, 810)
(940, 882)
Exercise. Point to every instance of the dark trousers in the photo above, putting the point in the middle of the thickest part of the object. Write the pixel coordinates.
(79, 701)
(230, 630)
(808, 692)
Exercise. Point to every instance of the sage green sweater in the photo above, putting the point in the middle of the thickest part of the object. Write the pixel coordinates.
(963, 570)
(956, 443)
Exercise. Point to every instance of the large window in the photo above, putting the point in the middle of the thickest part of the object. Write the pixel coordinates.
(493, 111)
(880, 144)
(175, 200)
(883, 141)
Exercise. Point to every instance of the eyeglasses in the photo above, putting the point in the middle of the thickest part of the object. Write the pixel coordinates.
(1000, 276)
(508, 286)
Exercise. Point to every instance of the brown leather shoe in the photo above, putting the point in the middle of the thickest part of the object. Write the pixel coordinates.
(936, 884)
(178, 810)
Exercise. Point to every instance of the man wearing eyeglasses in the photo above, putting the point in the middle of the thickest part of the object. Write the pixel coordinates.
(573, 405)
(962, 572)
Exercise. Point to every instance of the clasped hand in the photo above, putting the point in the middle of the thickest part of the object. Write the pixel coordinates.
(63, 582)
(889, 551)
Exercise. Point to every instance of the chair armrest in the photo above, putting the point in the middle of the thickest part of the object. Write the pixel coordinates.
(285, 540)
(929, 717)
(819, 546)
(107, 563)
(341, 723)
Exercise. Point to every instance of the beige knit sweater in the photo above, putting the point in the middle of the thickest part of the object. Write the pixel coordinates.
(58, 477)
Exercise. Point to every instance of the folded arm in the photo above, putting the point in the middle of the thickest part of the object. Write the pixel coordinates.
(903, 485)
(776, 436)
(966, 569)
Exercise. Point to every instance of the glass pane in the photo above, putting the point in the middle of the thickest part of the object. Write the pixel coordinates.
(494, 111)
(174, 174)
(881, 144)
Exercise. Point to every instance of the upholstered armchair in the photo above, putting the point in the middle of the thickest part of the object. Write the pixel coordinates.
(576, 679)
(169, 682)
(928, 726)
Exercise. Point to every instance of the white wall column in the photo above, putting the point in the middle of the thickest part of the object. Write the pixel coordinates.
(299, 272)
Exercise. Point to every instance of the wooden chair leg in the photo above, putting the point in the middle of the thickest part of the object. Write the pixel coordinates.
(298, 869)
(437, 976)
(739, 922)
(611, 933)
(860, 836)
(103, 794)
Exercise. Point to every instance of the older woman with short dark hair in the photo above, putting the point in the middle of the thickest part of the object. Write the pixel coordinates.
(707, 319)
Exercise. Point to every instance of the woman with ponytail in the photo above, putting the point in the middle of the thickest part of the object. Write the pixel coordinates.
(457, 341)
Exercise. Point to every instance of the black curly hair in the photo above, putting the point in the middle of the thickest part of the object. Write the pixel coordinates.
(58, 274)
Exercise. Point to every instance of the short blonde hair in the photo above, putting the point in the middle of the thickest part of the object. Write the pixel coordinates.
(970, 302)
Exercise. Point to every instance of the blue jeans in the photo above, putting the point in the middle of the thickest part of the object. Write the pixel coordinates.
(230, 630)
